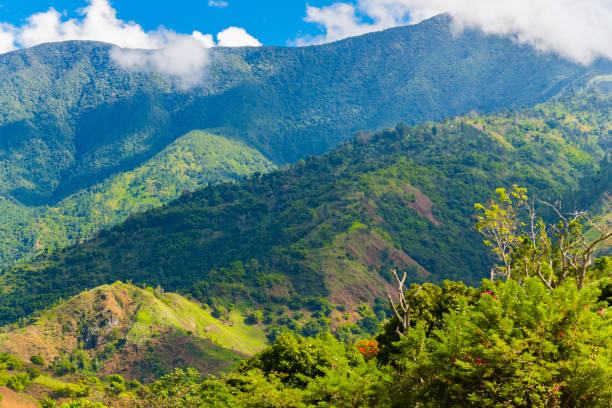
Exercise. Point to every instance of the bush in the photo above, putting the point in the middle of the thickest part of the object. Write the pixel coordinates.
(10, 362)
(81, 360)
(62, 366)
(18, 382)
(38, 360)
(315, 326)
(33, 372)
(116, 384)
(255, 318)
(132, 385)
(220, 312)
(318, 304)
(72, 391)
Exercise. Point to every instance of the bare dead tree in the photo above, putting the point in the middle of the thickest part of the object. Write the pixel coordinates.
(402, 309)
(574, 248)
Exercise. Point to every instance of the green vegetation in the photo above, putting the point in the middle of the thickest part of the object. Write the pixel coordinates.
(144, 333)
(38, 360)
(503, 344)
(539, 334)
(281, 275)
(519, 343)
(329, 226)
(70, 117)
(193, 161)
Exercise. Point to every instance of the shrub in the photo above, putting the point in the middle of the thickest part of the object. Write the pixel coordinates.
(10, 362)
(33, 372)
(220, 312)
(116, 384)
(38, 360)
(133, 385)
(255, 318)
(72, 391)
(18, 382)
(62, 366)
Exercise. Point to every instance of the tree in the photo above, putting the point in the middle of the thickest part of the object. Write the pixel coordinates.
(527, 246)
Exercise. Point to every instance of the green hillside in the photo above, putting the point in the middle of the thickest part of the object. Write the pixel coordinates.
(70, 118)
(139, 333)
(192, 161)
(333, 226)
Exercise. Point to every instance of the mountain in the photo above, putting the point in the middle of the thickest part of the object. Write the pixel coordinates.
(72, 121)
(70, 117)
(139, 333)
(330, 228)
(193, 160)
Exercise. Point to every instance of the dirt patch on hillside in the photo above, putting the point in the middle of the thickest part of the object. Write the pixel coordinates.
(374, 245)
(357, 281)
(89, 318)
(422, 205)
(11, 399)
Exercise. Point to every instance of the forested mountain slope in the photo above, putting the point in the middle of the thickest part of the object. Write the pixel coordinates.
(192, 161)
(333, 226)
(72, 122)
(69, 117)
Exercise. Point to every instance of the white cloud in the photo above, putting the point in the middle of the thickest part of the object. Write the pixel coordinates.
(182, 56)
(218, 3)
(576, 29)
(7, 39)
(236, 37)
(99, 23)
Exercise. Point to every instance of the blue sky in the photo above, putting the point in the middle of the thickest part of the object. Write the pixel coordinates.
(273, 22)
(577, 30)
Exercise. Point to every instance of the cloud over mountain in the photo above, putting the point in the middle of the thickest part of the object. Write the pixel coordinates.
(576, 29)
(180, 55)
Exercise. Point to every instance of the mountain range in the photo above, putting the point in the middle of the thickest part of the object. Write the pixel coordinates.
(146, 226)
(333, 226)
(71, 118)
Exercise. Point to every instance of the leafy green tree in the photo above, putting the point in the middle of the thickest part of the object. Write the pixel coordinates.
(185, 389)
(296, 358)
(563, 250)
(500, 225)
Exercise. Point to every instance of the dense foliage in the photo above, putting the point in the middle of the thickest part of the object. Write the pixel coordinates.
(502, 345)
(397, 198)
(69, 117)
(518, 343)
(192, 161)
(522, 341)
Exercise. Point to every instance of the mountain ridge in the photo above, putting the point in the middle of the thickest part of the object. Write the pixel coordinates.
(78, 97)
(399, 198)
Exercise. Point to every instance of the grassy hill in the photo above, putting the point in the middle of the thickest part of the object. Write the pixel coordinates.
(70, 118)
(190, 162)
(139, 333)
(332, 227)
